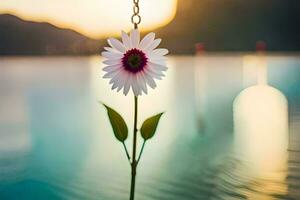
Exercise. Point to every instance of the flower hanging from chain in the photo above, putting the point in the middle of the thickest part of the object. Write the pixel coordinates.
(134, 63)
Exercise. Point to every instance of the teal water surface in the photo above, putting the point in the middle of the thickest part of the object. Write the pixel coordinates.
(214, 142)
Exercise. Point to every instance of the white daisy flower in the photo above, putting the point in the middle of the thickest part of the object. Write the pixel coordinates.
(133, 63)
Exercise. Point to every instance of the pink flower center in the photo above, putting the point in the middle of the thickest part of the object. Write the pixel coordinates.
(134, 60)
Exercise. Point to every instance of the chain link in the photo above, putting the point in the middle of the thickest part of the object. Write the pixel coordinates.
(136, 18)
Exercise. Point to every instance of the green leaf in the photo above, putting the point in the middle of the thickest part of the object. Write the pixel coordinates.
(149, 126)
(118, 124)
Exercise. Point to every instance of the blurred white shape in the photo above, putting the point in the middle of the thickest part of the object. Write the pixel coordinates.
(261, 127)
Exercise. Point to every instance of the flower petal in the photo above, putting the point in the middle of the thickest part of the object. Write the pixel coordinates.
(111, 74)
(116, 77)
(161, 60)
(134, 85)
(153, 45)
(147, 41)
(111, 55)
(139, 86)
(127, 85)
(159, 52)
(153, 74)
(114, 86)
(135, 38)
(112, 62)
(118, 80)
(116, 44)
(112, 50)
(149, 80)
(142, 82)
(157, 66)
(154, 71)
(126, 40)
(122, 80)
(112, 67)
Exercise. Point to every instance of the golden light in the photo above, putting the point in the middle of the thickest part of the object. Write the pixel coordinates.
(261, 130)
(94, 18)
(261, 126)
(261, 118)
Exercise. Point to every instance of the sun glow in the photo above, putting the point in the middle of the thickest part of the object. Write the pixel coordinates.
(95, 18)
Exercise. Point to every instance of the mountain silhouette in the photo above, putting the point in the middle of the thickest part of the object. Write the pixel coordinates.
(20, 37)
(218, 25)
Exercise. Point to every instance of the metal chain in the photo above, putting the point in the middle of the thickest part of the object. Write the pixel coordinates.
(136, 18)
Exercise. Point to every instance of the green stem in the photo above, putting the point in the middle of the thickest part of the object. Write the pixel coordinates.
(134, 162)
(141, 152)
(126, 151)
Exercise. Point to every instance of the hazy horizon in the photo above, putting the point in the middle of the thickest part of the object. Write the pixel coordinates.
(186, 27)
(90, 19)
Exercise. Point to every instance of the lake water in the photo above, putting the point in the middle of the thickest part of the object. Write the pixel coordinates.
(216, 140)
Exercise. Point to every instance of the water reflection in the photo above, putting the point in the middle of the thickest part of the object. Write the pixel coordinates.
(14, 136)
(218, 79)
(261, 127)
(42, 124)
(261, 131)
(66, 150)
(254, 70)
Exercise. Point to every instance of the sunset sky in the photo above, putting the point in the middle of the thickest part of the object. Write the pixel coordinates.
(95, 18)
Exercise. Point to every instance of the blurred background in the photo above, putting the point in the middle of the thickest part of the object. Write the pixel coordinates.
(231, 97)
(75, 27)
